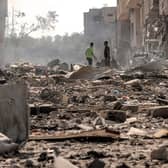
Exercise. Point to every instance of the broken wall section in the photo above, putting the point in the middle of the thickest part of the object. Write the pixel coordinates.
(14, 111)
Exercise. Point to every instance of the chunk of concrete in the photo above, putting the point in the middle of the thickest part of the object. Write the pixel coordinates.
(136, 132)
(115, 115)
(160, 154)
(161, 133)
(133, 82)
(60, 162)
(159, 111)
(14, 111)
(6, 144)
(97, 164)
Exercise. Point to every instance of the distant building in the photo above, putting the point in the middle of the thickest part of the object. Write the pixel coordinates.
(99, 26)
(3, 15)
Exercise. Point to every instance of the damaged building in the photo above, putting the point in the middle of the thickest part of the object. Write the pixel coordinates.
(145, 27)
(92, 117)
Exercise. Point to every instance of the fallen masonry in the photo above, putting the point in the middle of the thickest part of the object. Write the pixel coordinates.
(91, 117)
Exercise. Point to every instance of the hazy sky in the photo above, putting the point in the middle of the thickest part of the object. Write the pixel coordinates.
(70, 11)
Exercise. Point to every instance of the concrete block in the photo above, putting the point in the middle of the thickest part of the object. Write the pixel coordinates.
(14, 111)
(159, 111)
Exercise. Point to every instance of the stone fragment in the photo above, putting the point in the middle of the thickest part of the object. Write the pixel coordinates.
(131, 120)
(122, 165)
(161, 133)
(116, 115)
(43, 157)
(63, 163)
(136, 132)
(6, 144)
(133, 82)
(97, 164)
(136, 83)
(159, 111)
(160, 154)
(117, 105)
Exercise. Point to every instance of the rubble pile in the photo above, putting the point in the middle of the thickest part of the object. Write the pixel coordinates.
(94, 117)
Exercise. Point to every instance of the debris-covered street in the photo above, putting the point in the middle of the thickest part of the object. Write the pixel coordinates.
(84, 84)
(116, 120)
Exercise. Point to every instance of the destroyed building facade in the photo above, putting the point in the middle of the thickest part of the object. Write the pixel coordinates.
(148, 25)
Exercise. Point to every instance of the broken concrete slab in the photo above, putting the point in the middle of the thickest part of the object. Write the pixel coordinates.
(97, 164)
(93, 135)
(60, 162)
(41, 108)
(6, 144)
(89, 73)
(114, 115)
(14, 112)
(136, 132)
(159, 111)
(160, 154)
(161, 133)
(133, 82)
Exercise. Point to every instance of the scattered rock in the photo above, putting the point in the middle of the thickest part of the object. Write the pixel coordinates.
(136, 132)
(131, 120)
(117, 105)
(99, 121)
(6, 145)
(43, 157)
(122, 165)
(161, 133)
(159, 111)
(116, 115)
(97, 164)
(160, 154)
(63, 163)
(133, 82)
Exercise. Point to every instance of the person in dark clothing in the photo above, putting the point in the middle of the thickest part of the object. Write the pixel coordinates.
(106, 54)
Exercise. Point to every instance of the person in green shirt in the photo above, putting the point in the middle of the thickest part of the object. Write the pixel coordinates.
(90, 54)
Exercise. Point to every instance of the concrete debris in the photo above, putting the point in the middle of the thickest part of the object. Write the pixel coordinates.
(122, 165)
(115, 115)
(60, 162)
(137, 132)
(90, 117)
(6, 145)
(97, 164)
(14, 112)
(160, 154)
(161, 133)
(159, 111)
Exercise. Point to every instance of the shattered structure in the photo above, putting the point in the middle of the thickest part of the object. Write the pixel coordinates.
(90, 117)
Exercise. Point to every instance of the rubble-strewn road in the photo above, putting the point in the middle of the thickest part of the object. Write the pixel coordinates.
(121, 105)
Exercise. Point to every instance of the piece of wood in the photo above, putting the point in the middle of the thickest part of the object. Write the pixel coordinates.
(94, 135)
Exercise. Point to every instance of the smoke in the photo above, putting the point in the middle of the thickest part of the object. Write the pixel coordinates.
(70, 49)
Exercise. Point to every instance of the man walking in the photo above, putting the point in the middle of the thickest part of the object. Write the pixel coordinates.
(106, 54)
(90, 54)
